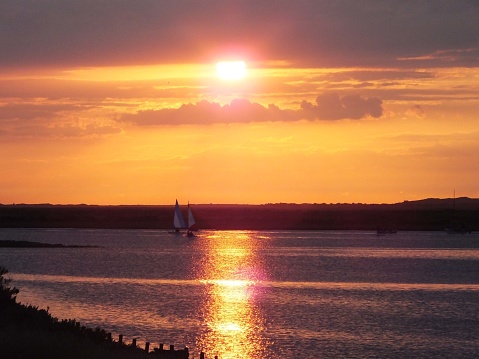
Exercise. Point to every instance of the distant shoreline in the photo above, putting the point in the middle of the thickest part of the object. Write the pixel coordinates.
(429, 214)
(29, 244)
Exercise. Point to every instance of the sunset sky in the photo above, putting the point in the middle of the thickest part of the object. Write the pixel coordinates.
(119, 102)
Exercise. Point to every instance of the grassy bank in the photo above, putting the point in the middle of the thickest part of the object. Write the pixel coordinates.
(28, 332)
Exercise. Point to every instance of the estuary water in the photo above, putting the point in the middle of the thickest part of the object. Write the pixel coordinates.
(261, 294)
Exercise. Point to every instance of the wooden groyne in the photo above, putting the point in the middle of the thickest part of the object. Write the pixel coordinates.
(161, 352)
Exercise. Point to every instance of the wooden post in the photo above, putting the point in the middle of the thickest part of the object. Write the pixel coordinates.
(120, 339)
(133, 343)
(172, 348)
(108, 337)
(202, 355)
(161, 346)
(216, 356)
(147, 347)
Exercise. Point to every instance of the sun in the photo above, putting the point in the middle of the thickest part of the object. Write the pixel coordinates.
(231, 70)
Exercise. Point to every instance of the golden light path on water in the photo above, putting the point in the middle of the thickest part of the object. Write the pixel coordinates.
(230, 271)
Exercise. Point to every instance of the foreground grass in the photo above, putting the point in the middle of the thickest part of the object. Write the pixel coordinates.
(27, 332)
(25, 344)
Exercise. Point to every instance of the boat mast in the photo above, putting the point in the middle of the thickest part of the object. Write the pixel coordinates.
(454, 201)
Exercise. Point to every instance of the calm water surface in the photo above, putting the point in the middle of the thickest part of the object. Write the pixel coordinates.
(247, 294)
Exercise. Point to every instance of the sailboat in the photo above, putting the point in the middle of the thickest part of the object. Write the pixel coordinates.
(178, 221)
(191, 223)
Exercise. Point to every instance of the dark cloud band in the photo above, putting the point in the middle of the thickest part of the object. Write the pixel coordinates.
(329, 106)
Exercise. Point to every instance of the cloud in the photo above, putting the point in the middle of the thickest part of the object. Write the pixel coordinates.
(50, 121)
(205, 112)
(329, 106)
(320, 33)
(451, 56)
(416, 111)
(375, 75)
(34, 111)
(62, 131)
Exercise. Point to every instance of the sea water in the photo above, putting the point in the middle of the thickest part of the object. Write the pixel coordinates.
(257, 294)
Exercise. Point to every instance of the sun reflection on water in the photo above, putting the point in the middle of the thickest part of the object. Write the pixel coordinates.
(230, 271)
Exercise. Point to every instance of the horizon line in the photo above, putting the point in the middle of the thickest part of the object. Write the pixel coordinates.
(236, 204)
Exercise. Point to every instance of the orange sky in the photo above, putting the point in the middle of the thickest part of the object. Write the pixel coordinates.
(332, 109)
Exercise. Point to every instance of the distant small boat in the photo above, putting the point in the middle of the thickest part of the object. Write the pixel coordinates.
(381, 231)
(178, 221)
(191, 223)
(458, 229)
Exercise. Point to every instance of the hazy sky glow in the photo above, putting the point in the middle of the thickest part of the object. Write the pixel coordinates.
(119, 102)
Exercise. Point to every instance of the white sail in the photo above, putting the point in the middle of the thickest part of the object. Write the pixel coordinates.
(178, 220)
(191, 219)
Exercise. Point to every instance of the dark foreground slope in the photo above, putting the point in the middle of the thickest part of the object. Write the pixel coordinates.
(429, 214)
(28, 332)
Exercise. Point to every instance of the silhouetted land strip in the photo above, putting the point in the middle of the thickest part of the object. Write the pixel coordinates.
(29, 244)
(428, 214)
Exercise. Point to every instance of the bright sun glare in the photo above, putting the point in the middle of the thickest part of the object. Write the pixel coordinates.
(231, 70)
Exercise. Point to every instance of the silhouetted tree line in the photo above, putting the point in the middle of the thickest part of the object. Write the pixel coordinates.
(430, 214)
